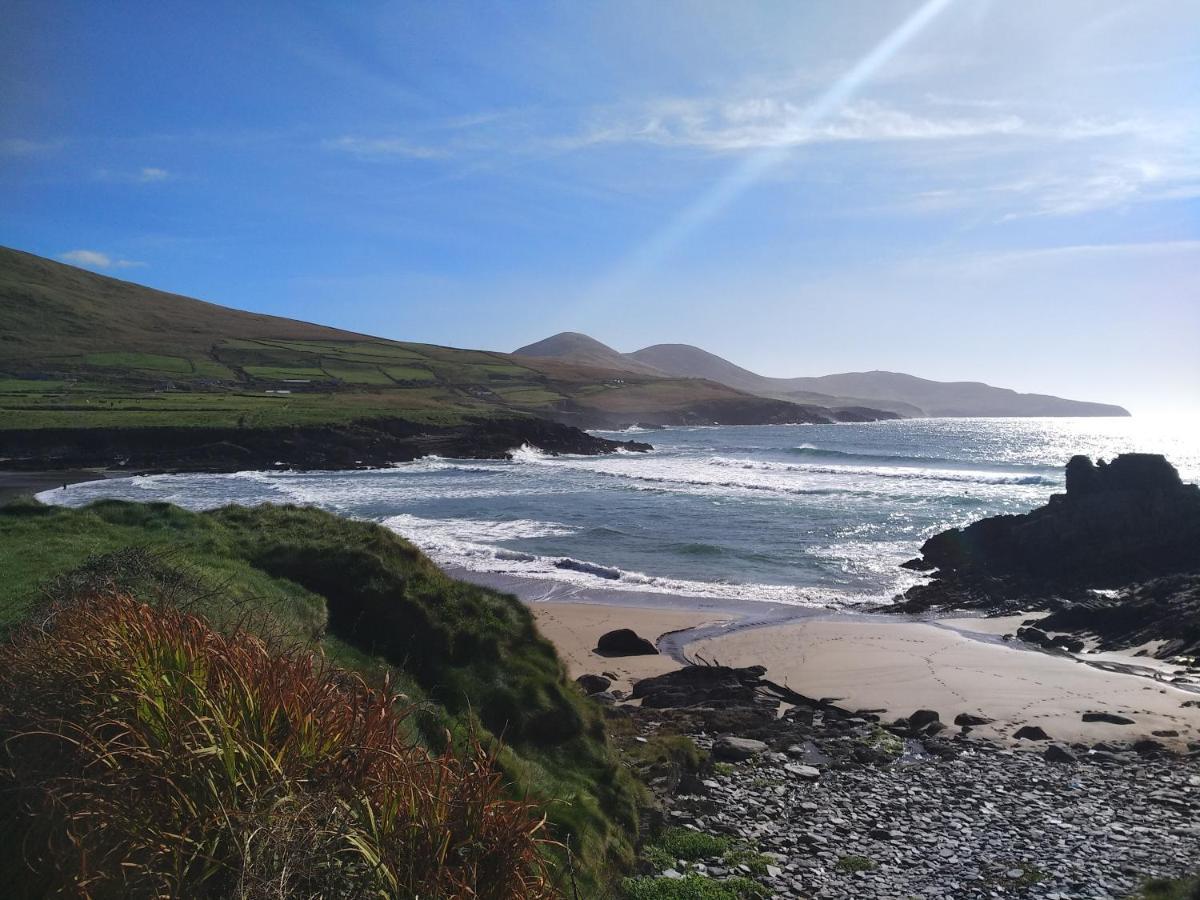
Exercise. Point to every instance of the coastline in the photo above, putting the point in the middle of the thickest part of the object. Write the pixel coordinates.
(888, 664)
(953, 664)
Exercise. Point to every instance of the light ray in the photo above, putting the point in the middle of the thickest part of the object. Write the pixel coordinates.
(713, 201)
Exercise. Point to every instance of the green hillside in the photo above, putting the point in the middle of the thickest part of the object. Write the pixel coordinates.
(82, 350)
(467, 658)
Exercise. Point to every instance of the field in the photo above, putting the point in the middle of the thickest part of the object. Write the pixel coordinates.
(81, 350)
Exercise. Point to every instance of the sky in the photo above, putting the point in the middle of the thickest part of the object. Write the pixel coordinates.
(996, 190)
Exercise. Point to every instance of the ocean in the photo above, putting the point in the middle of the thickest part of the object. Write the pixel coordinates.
(806, 515)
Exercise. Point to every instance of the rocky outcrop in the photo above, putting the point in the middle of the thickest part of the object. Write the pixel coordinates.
(1117, 556)
(1119, 522)
(371, 443)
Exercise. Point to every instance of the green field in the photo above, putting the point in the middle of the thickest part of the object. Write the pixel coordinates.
(81, 350)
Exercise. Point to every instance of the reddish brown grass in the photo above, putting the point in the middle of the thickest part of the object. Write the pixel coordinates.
(145, 753)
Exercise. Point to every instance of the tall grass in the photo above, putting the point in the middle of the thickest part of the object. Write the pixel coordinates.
(147, 754)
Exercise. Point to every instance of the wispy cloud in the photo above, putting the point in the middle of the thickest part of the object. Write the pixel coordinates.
(97, 260)
(144, 175)
(27, 147)
(381, 148)
(1102, 185)
(765, 123)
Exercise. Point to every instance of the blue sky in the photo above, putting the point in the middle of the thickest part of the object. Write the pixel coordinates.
(1001, 190)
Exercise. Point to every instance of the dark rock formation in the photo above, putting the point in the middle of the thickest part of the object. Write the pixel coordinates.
(372, 443)
(1031, 733)
(1119, 522)
(1117, 556)
(1110, 718)
(711, 686)
(625, 642)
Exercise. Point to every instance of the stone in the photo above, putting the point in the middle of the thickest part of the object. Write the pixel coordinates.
(807, 773)
(922, 718)
(729, 747)
(971, 720)
(1110, 718)
(1031, 733)
(624, 642)
(593, 684)
(1056, 753)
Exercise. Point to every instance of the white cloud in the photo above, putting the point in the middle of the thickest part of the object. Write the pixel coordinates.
(153, 173)
(381, 147)
(96, 260)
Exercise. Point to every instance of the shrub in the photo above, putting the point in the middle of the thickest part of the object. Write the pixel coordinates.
(854, 863)
(693, 887)
(1170, 889)
(683, 843)
(145, 753)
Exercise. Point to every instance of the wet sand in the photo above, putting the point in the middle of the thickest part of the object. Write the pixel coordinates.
(902, 666)
(25, 484)
(575, 627)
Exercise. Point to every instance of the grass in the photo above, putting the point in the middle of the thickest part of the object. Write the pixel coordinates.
(100, 342)
(693, 887)
(854, 863)
(470, 657)
(1170, 889)
(686, 844)
(147, 754)
(151, 361)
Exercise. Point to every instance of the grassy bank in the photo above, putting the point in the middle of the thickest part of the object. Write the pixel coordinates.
(469, 659)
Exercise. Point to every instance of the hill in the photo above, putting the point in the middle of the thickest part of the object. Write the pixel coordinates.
(468, 660)
(904, 395)
(580, 349)
(692, 362)
(82, 351)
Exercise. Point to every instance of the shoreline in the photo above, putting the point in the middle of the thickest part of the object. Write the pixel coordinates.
(943, 663)
(872, 662)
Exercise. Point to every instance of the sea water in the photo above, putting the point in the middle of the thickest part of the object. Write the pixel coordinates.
(812, 515)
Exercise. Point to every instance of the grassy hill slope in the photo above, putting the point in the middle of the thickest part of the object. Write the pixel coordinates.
(81, 350)
(468, 657)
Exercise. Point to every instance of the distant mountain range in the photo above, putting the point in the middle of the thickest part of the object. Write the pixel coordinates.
(895, 392)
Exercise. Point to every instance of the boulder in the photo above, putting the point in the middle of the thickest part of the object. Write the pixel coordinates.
(805, 773)
(1110, 718)
(728, 747)
(624, 642)
(708, 686)
(922, 718)
(1031, 733)
(593, 684)
(970, 720)
(1057, 753)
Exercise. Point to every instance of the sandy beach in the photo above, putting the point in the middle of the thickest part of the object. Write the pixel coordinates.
(897, 666)
(903, 666)
(575, 627)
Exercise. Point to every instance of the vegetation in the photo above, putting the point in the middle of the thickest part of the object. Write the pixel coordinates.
(147, 754)
(82, 350)
(1170, 889)
(854, 863)
(468, 660)
(693, 887)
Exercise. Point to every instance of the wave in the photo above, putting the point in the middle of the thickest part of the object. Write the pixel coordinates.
(900, 459)
(465, 544)
(964, 475)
